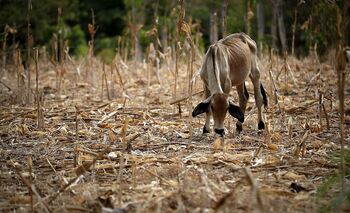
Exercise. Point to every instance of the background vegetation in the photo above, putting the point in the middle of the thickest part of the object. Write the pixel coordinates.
(70, 19)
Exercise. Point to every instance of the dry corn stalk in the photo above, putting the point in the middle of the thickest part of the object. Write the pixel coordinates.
(340, 67)
(186, 28)
(177, 45)
(20, 78)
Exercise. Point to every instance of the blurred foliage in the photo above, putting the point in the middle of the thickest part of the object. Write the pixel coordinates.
(77, 42)
(340, 200)
(316, 21)
(318, 26)
(105, 48)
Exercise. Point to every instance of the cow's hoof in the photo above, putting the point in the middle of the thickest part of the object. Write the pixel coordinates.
(205, 131)
(221, 132)
(261, 125)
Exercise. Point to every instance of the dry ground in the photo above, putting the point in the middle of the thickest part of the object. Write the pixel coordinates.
(135, 152)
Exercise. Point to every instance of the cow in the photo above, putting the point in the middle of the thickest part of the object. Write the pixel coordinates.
(228, 63)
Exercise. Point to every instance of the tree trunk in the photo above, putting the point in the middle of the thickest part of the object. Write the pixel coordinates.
(261, 22)
(164, 38)
(138, 50)
(347, 30)
(274, 25)
(213, 28)
(281, 28)
(249, 15)
(224, 18)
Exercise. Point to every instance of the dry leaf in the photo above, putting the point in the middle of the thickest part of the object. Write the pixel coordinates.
(85, 115)
(82, 84)
(316, 128)
(321, 161)
(347, 120)
(272, 147)
(275, 192)
(22, 129)
(185, 28)
(302, 196)
(26, 175)
(85, 158)
(85, 133)
(290, 126)
(183, 135)
(83, 168)
(306, 125)
(20, 199)
(105, 125)
(63, 131)
(317, 144)
(217, 144)
(112, 137)
(39, 134)
(293, 176)
(31, 115)
(124, 129)
(276, 137)
(272, 160)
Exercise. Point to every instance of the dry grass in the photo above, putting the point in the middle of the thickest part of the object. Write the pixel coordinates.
(134, 153)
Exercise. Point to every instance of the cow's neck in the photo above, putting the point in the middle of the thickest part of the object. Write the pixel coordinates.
(214, 81)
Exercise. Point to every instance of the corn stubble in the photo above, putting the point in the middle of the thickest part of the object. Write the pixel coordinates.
(98, 142)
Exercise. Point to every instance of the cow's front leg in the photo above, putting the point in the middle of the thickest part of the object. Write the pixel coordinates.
(206, 127)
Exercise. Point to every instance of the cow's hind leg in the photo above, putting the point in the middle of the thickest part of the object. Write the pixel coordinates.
(243, 96)
(259, 98)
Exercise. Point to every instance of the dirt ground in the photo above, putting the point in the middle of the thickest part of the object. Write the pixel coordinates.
(134, 152)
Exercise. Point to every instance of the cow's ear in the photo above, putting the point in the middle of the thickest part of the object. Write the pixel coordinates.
(235, 111)
(201, 108)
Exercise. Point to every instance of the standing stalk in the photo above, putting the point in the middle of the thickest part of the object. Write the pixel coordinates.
(294, 28)
(6, 32)
(112, 80)
(92, 31)
(29, 44)
(76, 124)
(340, 67)
(106, 83)
(177, 48)
(286, 73)
(191, 84)
(38, 96)
(20, 77)
(36, 58)
(30, 170)
(186, 28)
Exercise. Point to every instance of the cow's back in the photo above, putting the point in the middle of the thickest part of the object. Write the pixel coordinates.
(241, 51)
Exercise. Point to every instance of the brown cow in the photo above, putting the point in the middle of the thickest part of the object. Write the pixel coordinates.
(228, 63)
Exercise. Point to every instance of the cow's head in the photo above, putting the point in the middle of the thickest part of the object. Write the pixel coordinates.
(218, 104)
